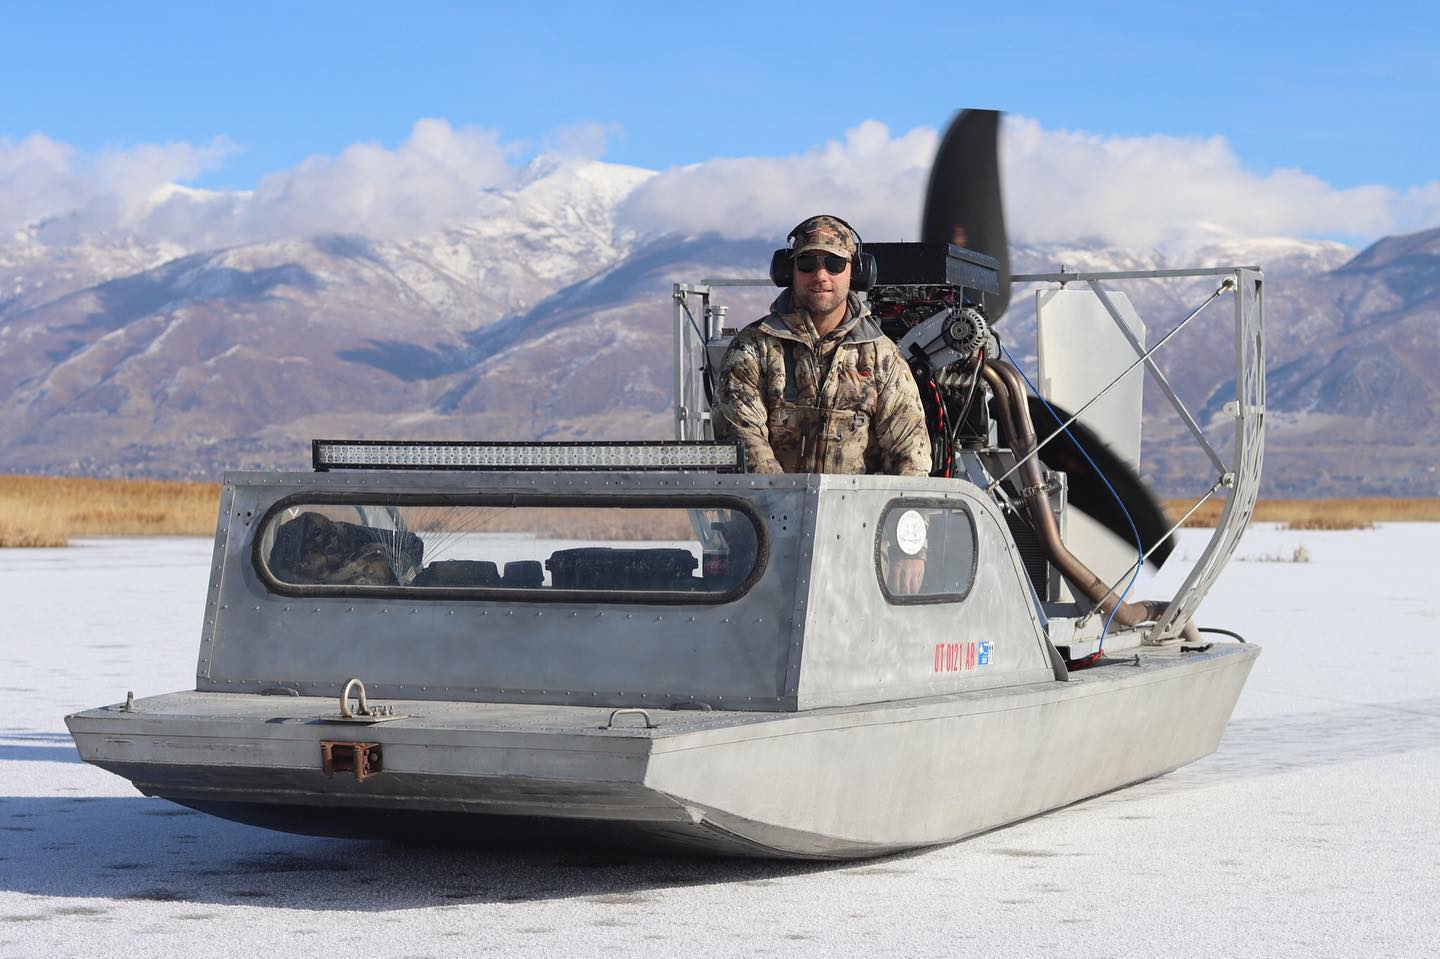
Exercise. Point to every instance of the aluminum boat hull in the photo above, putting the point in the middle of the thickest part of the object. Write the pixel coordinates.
(836, 783)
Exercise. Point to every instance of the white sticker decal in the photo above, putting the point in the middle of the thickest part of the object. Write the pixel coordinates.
(910, 532)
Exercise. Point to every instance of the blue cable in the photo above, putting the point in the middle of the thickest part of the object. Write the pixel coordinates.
(1139, 547)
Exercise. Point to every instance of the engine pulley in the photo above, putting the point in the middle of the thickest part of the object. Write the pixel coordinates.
(966, 330)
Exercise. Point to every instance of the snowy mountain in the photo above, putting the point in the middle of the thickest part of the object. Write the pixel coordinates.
(543, 316)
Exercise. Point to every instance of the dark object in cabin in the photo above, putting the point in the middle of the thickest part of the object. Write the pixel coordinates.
(523, 574)
(458, 572)
(605, 567)
(313, 549)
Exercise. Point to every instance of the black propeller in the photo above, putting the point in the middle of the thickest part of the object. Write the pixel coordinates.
(1087, 490)
(963, 206)
(962, 200)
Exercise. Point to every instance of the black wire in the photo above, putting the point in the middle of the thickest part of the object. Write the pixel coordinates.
(969, 398)
(1222, 632)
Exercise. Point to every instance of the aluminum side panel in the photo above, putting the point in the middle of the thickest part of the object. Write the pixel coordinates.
(730, 655)
(861, 648)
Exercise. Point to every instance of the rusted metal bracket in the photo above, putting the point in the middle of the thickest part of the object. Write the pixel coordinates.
(362, 759)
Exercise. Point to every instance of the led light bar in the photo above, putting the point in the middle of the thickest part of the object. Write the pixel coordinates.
(442, 455)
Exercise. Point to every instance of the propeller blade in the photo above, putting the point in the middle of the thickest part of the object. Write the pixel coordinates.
(1087, 491)
(962, 200)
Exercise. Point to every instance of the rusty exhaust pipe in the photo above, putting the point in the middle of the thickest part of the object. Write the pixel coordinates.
(1019, 429)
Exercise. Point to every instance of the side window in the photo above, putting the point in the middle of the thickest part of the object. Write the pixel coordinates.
(702, 551)
(925, 551)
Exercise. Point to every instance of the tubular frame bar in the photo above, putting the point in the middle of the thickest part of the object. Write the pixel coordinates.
(1248, 457)
(690, 410)
(1159, 375)
(1066, 277)
(1204, 498)
(1144, 358)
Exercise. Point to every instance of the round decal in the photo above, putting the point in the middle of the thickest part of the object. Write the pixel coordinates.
(910, 532)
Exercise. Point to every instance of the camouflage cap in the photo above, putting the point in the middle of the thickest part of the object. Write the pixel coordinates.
(824, 233)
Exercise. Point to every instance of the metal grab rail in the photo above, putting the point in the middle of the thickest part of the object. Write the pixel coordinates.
(631, 711)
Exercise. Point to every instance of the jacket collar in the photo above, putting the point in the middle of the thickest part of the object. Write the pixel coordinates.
(785, 321)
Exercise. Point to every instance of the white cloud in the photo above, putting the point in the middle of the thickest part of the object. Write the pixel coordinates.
(42, 180)
(1154, 191)
(437, 175)
(1170, 191)
(584, 140)
(1161, 191)
(872, 179)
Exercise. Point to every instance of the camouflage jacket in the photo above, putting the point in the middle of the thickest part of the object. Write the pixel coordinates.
(844, 403)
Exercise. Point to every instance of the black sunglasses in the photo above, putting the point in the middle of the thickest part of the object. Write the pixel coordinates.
(808, 262)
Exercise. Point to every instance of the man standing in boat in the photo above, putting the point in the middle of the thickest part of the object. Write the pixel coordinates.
(815, 386)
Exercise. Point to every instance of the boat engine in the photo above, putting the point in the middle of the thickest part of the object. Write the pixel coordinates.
(931, 305)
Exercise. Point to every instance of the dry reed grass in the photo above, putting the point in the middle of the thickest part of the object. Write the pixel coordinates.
(602, 523)
(1297, 555)
(50, 510)
(1320, 514)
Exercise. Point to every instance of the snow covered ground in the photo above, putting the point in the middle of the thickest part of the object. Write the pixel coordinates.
(1314, 831)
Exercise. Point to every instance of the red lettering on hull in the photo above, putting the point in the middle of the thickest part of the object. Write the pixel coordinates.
(956, 657)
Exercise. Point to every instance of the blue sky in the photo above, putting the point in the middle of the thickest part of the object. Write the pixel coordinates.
(1349, 93)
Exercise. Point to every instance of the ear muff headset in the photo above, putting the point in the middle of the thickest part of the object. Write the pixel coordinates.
(862, 264)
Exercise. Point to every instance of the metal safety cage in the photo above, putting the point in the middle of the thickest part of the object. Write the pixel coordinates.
(606, 455)
(1247, 457)
(1237, 477)
(699, 322)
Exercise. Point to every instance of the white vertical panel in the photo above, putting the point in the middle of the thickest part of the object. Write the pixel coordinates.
(1081, 351)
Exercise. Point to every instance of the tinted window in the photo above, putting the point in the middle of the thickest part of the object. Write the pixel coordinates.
(925, 551)
(530, 551)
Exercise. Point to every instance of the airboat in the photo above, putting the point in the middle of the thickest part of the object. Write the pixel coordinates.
(642, 644)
